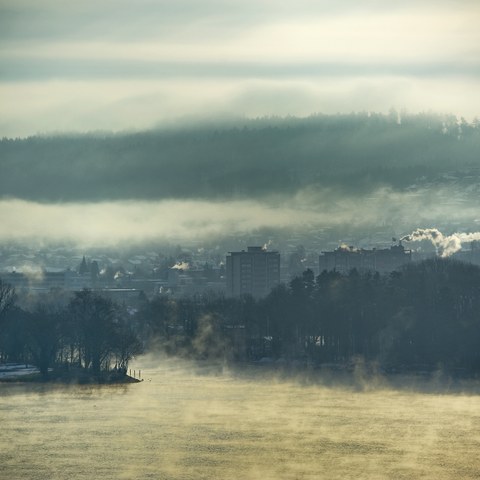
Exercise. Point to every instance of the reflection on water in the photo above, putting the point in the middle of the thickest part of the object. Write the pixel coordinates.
(186, 423)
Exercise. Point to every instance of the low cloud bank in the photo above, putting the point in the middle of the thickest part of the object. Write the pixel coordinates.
(114, 223)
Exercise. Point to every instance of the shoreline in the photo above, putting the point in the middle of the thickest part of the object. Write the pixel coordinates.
(67, 380)
(19, 374)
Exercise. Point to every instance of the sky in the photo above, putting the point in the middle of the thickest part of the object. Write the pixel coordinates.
(119, 65)
(122, 65)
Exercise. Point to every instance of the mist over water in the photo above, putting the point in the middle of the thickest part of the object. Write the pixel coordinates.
(194, 422)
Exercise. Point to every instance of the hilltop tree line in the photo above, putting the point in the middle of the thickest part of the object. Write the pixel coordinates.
(425, 316)
(86, 332)
(251, 158)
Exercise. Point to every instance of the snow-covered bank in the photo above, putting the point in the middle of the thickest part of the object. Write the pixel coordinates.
(10, 370)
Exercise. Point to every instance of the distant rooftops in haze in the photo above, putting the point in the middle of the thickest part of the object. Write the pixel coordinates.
(345, 258)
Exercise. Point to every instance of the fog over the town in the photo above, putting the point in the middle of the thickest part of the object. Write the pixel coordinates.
(206, 181)
(209, 86)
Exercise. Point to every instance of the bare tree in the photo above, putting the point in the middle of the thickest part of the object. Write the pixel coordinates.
(7, 297)
(44, 335)
(101, 332)
(127, 345)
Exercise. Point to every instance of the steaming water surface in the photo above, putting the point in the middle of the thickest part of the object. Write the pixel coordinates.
(192, 423)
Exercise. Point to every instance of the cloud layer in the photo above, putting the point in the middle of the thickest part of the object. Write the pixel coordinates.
(118, 65)
(359, 171)
(114, 223)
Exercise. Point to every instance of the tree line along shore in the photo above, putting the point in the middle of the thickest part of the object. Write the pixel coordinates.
(421, 318)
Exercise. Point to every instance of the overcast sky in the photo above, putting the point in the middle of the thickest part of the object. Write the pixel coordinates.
(118, 64)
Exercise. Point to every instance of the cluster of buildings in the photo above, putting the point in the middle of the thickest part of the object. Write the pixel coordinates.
(254, 271)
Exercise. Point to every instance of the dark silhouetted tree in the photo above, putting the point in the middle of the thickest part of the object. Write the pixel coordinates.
(95, 318)
(44, 329)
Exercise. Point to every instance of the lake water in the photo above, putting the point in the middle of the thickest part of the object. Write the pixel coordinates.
(187, 422)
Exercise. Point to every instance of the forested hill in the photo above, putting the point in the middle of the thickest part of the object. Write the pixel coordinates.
(254, 158)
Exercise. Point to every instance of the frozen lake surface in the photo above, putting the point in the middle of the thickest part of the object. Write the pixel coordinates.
(188, 422)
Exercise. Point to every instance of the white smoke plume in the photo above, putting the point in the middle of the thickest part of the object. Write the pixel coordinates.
(266, 245)
(181, 266)
(445, 245)
(34, 273)
(348, 248)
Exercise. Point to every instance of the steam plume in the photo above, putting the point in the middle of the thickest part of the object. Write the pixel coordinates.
(266, 245)
(445, 245)
(181, 266)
